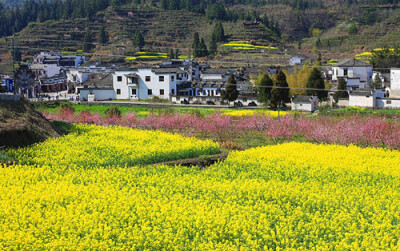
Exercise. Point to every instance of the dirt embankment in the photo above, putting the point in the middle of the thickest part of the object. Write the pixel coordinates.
(21, 125)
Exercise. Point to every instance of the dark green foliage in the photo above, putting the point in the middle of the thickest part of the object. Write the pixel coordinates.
(264, 85)
(280, 92)
(87, 41)
(138, 39)
(352, 29)
(216, 12)
(230, 93)
(199, 46)
(17, 55)
(342, 91)
(218, 34)
(213, 48)
(314, 82)
(377, 84)
(113, 112)
(103, 36)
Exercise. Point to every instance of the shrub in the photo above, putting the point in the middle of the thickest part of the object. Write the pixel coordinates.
(113, 112)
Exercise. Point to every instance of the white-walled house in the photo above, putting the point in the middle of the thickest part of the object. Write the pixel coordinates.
(362, 98)
(146, 83)
(48, 70)
(221, 74)
(352, 68)
(77, 76)
(98, 94)
(395, 79)
(304, 103)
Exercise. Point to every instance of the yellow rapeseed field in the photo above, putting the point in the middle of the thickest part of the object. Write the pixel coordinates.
(294, 196)
(90, 145)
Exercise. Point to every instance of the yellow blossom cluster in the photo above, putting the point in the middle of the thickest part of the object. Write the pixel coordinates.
(294, 196)
(90, 145)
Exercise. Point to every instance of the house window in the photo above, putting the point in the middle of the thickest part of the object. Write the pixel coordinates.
(345, 72)
(173, 91)
(118, 91)
(172, 78)
(119, 78)
(161, 78)
(133, 91)
(147, 78)
(388, 102)
(161, 91)
(149, 92)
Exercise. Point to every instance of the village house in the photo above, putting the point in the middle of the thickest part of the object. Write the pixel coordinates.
(358, 72)
(99, 86)
(47, 70)
(65, 61)
(253, 26)
(146, 83)
(221, 74)
(304, 103)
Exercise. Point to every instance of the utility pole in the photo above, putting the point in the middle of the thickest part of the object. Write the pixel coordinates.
(13, 66)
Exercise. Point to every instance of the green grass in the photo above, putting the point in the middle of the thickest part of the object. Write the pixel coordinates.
(357, 110)
(4, 157)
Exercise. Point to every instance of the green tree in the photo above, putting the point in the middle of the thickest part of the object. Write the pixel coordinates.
(280, 92)
(218, 34)
(377, 84)
(17, 55)
(315, 81)
(264, 86)
(341, 90)
(87, 41)
(195, 44)
(213, 47)
(230, 93)
(138, 39)
(202, 49)
(352, 29)
(103, 36)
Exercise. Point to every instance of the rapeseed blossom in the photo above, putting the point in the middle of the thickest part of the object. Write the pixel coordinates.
(297, 196)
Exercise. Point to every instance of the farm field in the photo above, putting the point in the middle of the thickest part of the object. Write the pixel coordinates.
(274, 197)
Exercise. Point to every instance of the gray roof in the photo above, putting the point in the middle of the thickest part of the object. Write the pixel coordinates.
(364, 92)
(97, 89)
(221, 71)
(352, 62)
(167, 70)
(301, 99)
(100, 80)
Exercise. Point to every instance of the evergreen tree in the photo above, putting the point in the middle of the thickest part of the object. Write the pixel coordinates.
(87, 41)
(103, 36)
(195, 45)
(264, 85)
(218, 34)
(177, 54)
(315, 81)
(213, 47)
(280, 92)
(17, 55)
(230, 93)
(164, 4)
(171, 54)
(377, 84)
(341, 90)
(138, 39)
(203, 52)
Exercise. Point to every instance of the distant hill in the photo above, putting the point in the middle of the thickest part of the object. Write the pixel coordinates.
(333, 28)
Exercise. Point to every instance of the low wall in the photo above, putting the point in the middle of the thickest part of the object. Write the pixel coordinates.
(9, 98)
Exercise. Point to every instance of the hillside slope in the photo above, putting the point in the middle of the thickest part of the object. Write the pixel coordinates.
(20, 125)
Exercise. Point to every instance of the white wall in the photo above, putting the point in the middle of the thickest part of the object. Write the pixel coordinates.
(80, 77)
(52, 70)
(98, 94)
(168, 85)
(364, 73)
(362, 101)
(395, 79)
(388, 103)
